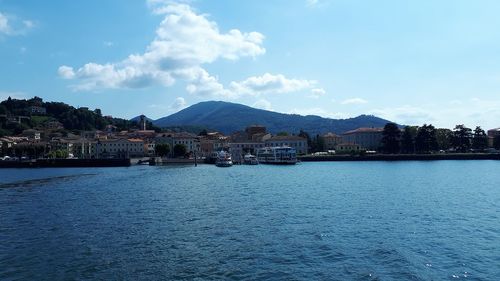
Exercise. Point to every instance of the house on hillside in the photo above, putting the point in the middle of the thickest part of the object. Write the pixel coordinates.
(37, 110)
(32, 135)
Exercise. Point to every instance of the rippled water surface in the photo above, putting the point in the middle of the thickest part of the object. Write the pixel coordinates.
(437, 220)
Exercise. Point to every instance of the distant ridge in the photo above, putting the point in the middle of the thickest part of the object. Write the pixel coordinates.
(228, 117)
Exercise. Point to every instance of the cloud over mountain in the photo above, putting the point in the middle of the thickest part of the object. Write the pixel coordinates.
(185, 41)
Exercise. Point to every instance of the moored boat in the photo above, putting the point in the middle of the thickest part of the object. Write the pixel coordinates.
(277, 155)
(250, 159)
(224, 159)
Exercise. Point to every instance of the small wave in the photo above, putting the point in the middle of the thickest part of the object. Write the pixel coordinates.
(42, 181)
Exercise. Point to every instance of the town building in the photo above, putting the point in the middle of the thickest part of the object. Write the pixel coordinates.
(32, 135)
(331, 141)
(213, 142)
(142, 134)
(149, 148)
(492, 134)
(255, 129)
(120, 148)
(239, 149)
(84, 149)
(6, 144)
(64, 144)
(190, 141)
(37, 110)
(54, 125)
(299, 143)
(344, 148)
(367, 138)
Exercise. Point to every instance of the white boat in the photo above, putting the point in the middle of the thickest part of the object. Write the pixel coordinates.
(224, 159)
(250, 159)
(277, 155)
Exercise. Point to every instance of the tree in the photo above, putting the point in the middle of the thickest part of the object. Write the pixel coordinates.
(179, 150)
(390, 138)
(317, 144)
(283, 134)
(444, 138)
(408, 139)
(462, 138)
(60, 153)
(304, 134)
(479, 139)
(162, 149)
(203, 133)
(425, 141)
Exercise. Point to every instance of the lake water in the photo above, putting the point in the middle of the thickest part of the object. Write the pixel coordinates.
(436, 220)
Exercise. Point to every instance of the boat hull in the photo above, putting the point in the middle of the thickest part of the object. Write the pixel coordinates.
(224, 164)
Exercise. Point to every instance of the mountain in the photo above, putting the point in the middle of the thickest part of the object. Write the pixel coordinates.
(229, 117)
(138, 117)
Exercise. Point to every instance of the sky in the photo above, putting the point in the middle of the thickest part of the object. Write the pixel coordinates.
(412, 62)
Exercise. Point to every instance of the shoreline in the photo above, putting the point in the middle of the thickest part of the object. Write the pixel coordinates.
(402, 157)
(66, 163)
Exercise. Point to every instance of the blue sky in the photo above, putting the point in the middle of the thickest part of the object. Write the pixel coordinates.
(412, 62)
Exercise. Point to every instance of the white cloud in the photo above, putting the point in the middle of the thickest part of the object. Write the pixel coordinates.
(202, 83)
(184, 42)
(354, 101)
(108, 44)
(318, 111)
(263, 104)
(483, 113)
(269, 83)
(317, 93)
(28, 24)
(312, 2)
(179, 104)
(406, 115)
(4, 24)
(66, 72)
(11, 25)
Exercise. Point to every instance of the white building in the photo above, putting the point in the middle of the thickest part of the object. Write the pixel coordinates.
(120, 148)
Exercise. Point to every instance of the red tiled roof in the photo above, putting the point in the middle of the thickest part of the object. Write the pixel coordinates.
(286, 138)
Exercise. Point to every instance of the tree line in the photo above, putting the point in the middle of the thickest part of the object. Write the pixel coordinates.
(428, 139)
